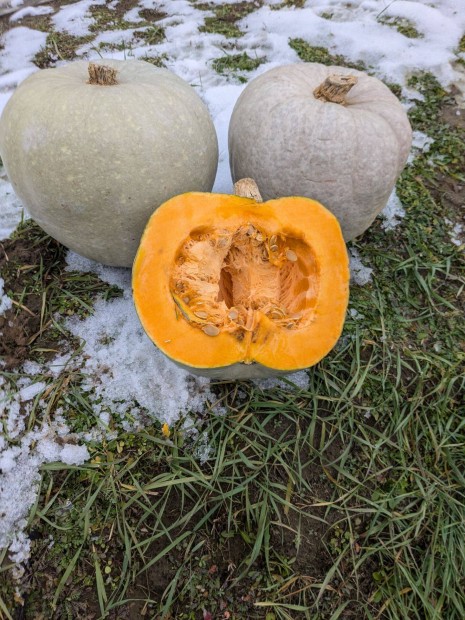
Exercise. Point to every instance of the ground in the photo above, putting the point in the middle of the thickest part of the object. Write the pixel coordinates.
(341, 496)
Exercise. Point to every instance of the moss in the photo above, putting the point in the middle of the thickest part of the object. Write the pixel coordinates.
(313, 53)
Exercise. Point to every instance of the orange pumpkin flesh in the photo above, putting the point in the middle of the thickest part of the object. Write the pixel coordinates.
(231, 288)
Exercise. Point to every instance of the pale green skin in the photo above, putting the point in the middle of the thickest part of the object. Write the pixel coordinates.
(347, 157)
(237, 372)
(91, 163)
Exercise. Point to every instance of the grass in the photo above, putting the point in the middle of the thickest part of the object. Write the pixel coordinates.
(345, 499)
(233, 64)
(225, 17)
(296, 4)
(314, 53)
(59, 46)
(402, 25)
(106, 18)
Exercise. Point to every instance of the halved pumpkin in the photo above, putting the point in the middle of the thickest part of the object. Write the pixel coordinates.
(233, 288)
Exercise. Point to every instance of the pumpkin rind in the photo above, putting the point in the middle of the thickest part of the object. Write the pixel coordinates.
(348, 157)
(269, 350)
(92, 162)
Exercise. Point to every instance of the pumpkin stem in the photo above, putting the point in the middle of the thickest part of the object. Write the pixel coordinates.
(102, 75)
(247, 188)
(335, 88)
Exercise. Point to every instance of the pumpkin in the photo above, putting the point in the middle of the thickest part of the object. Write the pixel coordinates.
(233, 288)
(332, 134)
(93, 149)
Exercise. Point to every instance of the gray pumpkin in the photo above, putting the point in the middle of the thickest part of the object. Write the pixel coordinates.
(340, 140)
(92, 158)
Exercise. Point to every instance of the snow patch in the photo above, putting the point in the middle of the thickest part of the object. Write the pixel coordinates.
(359, 273)
(76, 18)
(31, 11)
(392, 213)
(19, 479)
(298, 379)
(5, 301)
(455, 233)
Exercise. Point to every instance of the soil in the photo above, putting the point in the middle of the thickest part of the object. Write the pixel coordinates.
(22, 326)
(449, 191)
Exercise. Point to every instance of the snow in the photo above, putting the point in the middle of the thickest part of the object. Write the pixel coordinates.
(298, 379)
(31, 11)
(11, 209)
(360, 274)
(124, 367)
(20, 477)
(75, 18)
(456, 233)
(5, 301)
(392, 213)
(128, 381)
(421, 141)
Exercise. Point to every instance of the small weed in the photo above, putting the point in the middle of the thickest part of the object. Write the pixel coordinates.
(461, 47)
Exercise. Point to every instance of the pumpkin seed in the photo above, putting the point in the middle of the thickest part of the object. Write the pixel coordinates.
(291, 255)
(274, 248)
(259, 237)
(233, 314)
(186, 300)
(276, 312)
(200, 314)
(211, 330)
(296, 315)
(223, 242)
(250, 230)
(273, 240)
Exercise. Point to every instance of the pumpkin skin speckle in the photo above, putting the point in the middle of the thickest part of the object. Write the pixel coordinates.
(347, 156)
(91, 162)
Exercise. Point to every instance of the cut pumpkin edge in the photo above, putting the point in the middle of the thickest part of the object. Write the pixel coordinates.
(276, 351)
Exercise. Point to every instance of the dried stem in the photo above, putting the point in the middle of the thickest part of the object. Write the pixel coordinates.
(102, 75)
(247, 188)
(335, 88)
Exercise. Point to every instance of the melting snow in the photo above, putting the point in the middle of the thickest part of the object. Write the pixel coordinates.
(5, 301)
(392, 213)
(359, 273)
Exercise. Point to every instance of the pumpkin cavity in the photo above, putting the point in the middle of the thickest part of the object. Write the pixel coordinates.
(229, 280)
